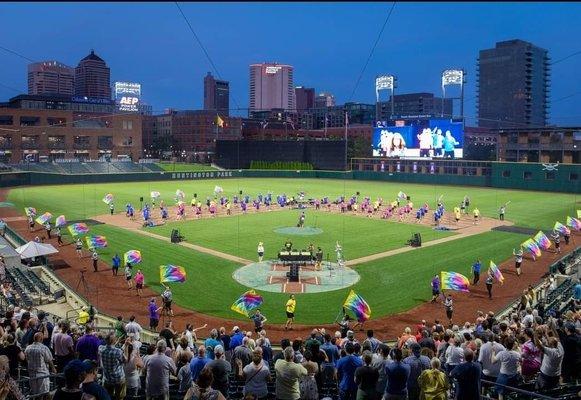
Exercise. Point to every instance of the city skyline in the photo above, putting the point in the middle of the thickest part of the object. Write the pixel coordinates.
(170, 64)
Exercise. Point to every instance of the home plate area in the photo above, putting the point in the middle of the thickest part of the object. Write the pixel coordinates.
(276, 276)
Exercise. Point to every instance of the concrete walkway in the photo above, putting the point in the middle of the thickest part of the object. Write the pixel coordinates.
(484, 226)
(201, 249)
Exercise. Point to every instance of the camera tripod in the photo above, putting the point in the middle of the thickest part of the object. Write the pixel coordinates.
(82, 281)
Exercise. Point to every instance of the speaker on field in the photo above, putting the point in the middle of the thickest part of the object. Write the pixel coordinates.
(418, 239)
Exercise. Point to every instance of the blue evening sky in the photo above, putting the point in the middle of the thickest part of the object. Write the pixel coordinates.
(327, 43)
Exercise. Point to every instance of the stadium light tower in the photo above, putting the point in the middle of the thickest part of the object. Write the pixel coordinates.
(384, 82)
(454, 77)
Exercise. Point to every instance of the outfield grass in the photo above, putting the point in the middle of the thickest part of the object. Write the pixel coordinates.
(239, 235)
(526, 208)
(185, 167)
(389, 285)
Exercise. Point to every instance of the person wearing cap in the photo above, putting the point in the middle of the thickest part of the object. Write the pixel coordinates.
(157, 368)
(90, 386)
(221, 370)
(260, 250)
(74, 373)
(417, 364)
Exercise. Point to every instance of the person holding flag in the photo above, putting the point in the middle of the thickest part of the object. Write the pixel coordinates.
(557, 240)
(501, 212)
(518, 257)
(258, 320)
(489, 282)
(59, 237)
(167, 297)
(95, 258)
(48, 229)
(291, 305)
(449, 306)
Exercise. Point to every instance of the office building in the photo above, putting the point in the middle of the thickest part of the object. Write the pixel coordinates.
(414, 104)
(513, 85)
(272, 86)
(324, 100)
(305, 98)
(50, 77)
(216, 95)
(93, 78)
(546, 145)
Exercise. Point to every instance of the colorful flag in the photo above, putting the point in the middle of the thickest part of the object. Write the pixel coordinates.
(402, 195)
(44, 218)
(108, 199)
(247, 302)
(574, 223)
(172, 273)
(78, 229)
(180, 195)
(96, 242)
(562, 229)
(30, 211)
(532, 246)
(219, 121)
(155, 194)
(132, 257)
(60, 221)
(454, 281)
(496, 272)
(358, 306)
(542, 240)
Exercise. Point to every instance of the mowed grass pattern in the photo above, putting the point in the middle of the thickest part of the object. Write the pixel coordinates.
(239, 235)
(389, 285)
(526, 208)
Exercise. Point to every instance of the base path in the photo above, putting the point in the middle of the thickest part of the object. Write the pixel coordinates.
(484, 225)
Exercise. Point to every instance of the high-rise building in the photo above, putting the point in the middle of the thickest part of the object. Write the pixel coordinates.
(50, 77)
(216, 95)
(324, 99)
(305, 98)
(513, 85)
(93, 78)
(271, 86)
(415, 104)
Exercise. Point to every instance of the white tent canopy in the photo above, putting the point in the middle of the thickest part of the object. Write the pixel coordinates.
(33, 249)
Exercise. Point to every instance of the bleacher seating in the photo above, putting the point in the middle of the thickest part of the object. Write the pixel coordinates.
(89, 167)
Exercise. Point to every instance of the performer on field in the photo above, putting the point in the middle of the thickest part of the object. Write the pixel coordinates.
(319, 257)
(301, 223)
(260, 250)
(259, 321)
(557, 239)
(476, 213)
(167, 298)
(518, 256)
(435, 288)
(290, 312)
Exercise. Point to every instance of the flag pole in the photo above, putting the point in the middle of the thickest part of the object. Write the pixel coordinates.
(346, 128)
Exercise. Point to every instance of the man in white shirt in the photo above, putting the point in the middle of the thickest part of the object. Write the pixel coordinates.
(553, 354)
(490, 370)
(528, 319)
(133, 329)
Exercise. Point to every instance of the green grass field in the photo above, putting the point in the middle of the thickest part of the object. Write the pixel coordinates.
(389, 284)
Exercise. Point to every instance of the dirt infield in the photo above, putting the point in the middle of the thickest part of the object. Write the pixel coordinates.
(109, 293)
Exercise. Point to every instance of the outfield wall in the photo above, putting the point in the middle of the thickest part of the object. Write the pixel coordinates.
(526, 176)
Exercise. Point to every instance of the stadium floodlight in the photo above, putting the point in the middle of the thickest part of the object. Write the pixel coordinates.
(454, 77)
(384, 82)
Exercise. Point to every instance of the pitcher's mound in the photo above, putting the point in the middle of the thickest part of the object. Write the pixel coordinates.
(292, 230)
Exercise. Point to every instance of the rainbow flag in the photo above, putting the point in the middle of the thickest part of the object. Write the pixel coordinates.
(532, 246)
(96, 242)
(172, 273)
(44, 218)
(30, 211)
(574, 223)
(542, 240)
(180, 195)
(155, 194)
(562, 229)
(454, 281)
(496, 272)
(247, 302)
(358, 306)
(108, 199)
(132, 257)
(78, 229)
(60, 221)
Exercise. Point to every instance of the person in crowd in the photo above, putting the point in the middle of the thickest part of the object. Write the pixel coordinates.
(74, 374)
(417, 363)
(88, 345)
(132, 367)
(198, 363)
(509, 363)
(490, 369)
(14, 353)
(210, 343)
(168, 334)
(288, 375)
(366, 378)
(552, 360)
(9, 388)
(221, 370)
(90, 386)
(468, 376)
(242, 353)
(133, 328)
(112, 361)
(202, 388)
(40, 364)
(531, 355)
(397, 374)
(330, 349)
(433, 383)
(572, 356)
(380, 360)
(256, 376)
(157, 369)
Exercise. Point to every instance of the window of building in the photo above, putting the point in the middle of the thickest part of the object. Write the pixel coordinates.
(56, 142)
(105, 142)
(56, 121)
(5, 142)
(127, 125)
(506, 173)
(556, 137)
(29, 141)
(527, 175)
(29, 121)
(550, 175)
(573, 176)
(82, 142)
(6, 120)
(128, 141)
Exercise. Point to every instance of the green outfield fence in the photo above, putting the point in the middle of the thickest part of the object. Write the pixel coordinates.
(565, 178)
